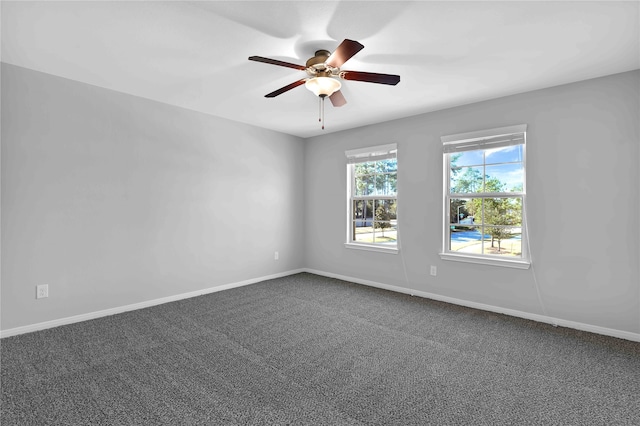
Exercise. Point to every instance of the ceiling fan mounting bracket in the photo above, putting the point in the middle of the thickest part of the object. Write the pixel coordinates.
(320, 58)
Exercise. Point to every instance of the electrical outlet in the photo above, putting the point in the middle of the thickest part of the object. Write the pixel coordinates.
(434, 270)
(42, 291)
(276, 256)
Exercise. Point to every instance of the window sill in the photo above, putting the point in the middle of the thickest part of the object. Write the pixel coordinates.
(507, 263)
(370, 247)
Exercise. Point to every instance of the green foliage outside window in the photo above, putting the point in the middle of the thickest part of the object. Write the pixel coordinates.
(496, 217)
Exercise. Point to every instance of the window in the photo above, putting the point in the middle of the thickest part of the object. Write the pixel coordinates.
(372, 175)
(485, 197)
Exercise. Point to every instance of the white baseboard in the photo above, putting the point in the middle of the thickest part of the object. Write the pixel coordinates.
(512, 312)
(112, 311)
(627, 335)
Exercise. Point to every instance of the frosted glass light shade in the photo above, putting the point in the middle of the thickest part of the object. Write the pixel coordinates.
(323, 86)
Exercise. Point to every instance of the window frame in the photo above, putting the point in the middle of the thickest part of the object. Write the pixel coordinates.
(484, 140)
(363, 155)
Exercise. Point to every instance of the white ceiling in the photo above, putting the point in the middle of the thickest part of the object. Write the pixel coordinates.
(194, 54)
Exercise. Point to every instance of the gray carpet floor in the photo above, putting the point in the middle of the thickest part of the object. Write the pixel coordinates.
(311, 350)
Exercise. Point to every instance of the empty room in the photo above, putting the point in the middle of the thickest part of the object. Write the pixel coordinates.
(320, 213)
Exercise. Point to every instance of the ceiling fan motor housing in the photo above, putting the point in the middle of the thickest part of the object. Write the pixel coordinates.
(317, 66)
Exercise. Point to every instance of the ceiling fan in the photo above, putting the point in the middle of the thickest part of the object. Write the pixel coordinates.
(324, 74)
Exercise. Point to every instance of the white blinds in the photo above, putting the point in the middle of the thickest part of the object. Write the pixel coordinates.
(484, 139)
(373, 153)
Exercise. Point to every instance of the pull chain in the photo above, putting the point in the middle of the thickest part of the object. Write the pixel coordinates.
(321, 110)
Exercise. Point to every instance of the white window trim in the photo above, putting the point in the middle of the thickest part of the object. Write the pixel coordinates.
(371, 247)
(489, 138)
(483, 134)
(362, 154)
(372, 153)
(482, 260)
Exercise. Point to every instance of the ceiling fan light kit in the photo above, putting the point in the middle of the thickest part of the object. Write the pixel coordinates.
(324, 73)
(323, 86)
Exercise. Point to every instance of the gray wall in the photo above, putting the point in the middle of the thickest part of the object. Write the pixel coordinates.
(114, 200)
(583, 204)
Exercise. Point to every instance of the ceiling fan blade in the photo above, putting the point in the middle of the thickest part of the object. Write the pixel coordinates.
(276, 62)
(371, 77)
(285, 88)
(337, 99)
(344, 52)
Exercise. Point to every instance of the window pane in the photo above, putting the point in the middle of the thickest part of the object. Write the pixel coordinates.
(390, 165)
(466, 180)
(362, 234)
(385, 232)
(465, 239)
(503, 241)
(503, 211)
(386, 184)
(358, 209)
(363, 213)
(507, 154)
(464, 211)
(365, 185)
(385, 210)
(466, 158)
(505, 178)
(365, 168)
